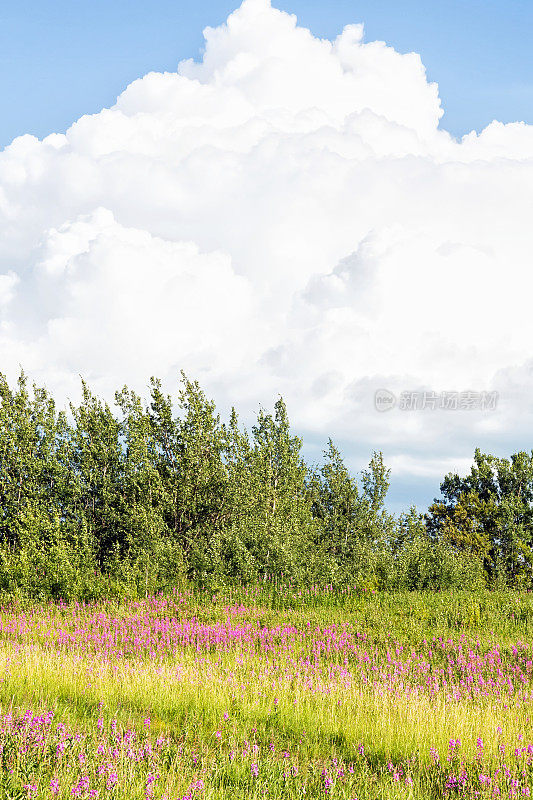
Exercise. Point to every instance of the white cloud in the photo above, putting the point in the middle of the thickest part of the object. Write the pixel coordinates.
(434, 468)
(8, 282)
(284, 216)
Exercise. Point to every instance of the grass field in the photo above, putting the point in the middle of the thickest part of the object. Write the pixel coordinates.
(270, 692)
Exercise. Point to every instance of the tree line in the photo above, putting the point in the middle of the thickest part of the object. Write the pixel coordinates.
(138, 497)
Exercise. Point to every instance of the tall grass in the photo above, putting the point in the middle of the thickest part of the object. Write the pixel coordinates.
(269, 691)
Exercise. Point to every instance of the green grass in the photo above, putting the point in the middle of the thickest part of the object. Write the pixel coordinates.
(378, 733)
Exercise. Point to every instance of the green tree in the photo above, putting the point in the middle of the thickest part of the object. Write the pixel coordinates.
(489, 514)
(98, 462)
(354, 525)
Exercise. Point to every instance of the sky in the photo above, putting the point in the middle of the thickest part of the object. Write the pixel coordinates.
(322, 201)
(59, 60)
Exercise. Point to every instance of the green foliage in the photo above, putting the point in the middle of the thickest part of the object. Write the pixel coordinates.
(354, 531)
(489, 515)
(135, 498)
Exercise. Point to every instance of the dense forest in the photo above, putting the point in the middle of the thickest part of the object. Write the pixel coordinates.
(133, 499)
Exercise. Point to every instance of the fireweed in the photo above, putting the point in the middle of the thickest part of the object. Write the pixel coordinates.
(230, 695)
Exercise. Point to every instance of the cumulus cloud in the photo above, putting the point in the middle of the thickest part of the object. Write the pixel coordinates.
(284, 216)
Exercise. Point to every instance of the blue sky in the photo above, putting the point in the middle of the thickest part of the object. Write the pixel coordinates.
(59, 59)
(297, 193)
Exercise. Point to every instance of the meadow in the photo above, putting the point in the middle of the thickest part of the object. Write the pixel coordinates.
(269, 692)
